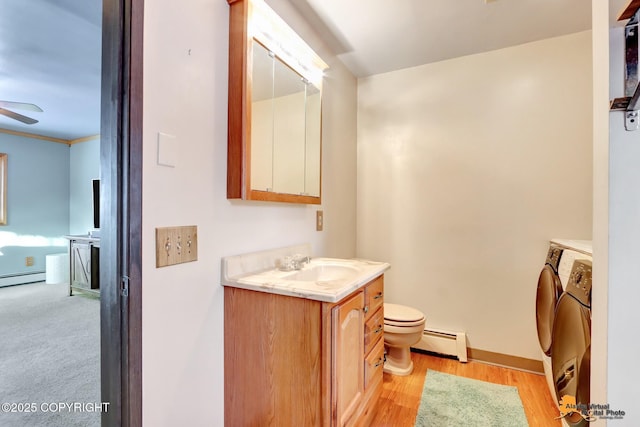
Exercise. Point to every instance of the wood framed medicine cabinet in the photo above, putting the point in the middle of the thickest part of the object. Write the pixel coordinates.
(274, 123)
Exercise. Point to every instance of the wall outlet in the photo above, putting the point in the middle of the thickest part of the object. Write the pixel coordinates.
(175, 245)
(319, 220)
(28, 261)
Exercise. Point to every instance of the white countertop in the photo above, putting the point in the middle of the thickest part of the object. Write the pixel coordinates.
(584, 246)
(327, 279)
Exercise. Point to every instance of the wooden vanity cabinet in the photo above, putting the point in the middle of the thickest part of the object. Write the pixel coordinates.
(298, 362)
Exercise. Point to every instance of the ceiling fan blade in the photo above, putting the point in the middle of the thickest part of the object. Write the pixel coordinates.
(19, 117)
(20, 106)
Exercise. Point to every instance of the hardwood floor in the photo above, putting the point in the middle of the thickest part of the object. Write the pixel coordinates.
(400, 398)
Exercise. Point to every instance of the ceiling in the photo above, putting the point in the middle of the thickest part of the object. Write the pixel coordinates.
(376, 36)
(50, 49)
(50, 54)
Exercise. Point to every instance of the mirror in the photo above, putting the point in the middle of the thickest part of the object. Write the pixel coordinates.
(275, 134)
(285, 128)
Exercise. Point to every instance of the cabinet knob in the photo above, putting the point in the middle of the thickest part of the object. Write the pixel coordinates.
(379, 362)
(366, 309)
(380, 328)
(378, 296)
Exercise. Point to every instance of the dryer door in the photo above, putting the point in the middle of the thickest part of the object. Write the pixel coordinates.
(549, 290)
(570, 353)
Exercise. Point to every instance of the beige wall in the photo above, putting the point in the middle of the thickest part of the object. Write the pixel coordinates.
(600, 305)
(185, 94)
(466, 169)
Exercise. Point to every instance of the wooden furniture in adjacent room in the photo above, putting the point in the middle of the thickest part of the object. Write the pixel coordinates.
(84, 264)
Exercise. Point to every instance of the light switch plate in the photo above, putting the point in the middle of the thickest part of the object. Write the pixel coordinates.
(175, 245)
(167, 149)
(319, 220)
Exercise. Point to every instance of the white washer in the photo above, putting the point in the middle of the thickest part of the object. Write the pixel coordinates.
(568, 251)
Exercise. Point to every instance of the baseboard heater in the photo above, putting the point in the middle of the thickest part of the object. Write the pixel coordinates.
(444, 342)
(21, 278)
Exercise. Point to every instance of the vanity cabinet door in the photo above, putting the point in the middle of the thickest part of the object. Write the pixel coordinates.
(347, 360)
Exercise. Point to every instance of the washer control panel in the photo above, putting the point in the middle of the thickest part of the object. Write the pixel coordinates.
(565, 267)
(553, 256)
(579, 285)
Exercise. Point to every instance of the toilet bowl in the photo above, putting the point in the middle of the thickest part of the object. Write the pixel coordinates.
(403, 327)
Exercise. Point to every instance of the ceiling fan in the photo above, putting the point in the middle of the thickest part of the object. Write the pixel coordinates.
(19, 106)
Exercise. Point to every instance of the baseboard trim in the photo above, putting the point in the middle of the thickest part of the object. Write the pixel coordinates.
(491, 358)
(21, 279)
(506, 360)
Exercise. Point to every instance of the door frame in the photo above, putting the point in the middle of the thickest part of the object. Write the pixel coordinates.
(121, 212)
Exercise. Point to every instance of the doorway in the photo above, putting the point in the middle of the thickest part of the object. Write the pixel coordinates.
(120, 189)
(121, 212)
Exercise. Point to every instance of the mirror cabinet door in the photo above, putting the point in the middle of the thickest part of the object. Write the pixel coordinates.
(285, 128)
(261, 137)
(313, 145)
(288, 130)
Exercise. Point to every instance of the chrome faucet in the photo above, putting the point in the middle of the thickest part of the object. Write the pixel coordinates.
(299, 261)
(294, 262)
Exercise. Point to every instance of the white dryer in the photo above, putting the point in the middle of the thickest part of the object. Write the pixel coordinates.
(571, 342)
(552, 285)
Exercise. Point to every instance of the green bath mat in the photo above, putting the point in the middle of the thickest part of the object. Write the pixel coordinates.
(452, 401)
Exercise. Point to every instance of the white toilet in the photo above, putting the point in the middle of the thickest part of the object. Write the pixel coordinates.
(403, 328)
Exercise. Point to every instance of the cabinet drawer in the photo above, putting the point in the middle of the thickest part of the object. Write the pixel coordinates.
(373, 330)
(373, 296)
(373, 364)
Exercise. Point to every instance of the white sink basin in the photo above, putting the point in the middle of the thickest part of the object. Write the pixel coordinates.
(322, 279)
(324, 272)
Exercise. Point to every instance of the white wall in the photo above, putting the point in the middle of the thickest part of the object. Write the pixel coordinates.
(624, 251)
(185, 94)
(466, 169)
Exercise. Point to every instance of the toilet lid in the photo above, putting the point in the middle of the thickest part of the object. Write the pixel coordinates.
(397, 324)
(400, 313)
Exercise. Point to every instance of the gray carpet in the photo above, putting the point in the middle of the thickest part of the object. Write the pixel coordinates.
(453, 401)
(49, 354)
